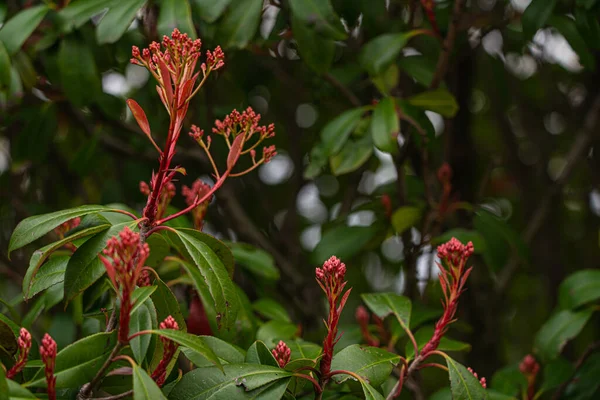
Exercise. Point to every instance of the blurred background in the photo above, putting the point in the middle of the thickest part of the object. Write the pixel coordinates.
(497, 142)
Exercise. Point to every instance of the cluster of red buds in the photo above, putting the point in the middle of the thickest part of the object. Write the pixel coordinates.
(144, 279)
(198, 190)
(331, 279)
(48, 353)
(169, 348)
(529, 367)
(24, 343)
(482, 381)
(453, 276)
(166, 195)
(124, 258)
(282, 354)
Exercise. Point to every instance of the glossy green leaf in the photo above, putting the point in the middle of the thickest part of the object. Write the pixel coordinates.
(579, 288)
(405, 218)
(371, 363)
(555, 373)
(81, 80)
(259, 353)
(271, 309)
(226, 352)
(273, 331)
(463, 384)
(237, 382)
(586, 384)
(567, 27)
(557, 331)
(418, 67)
(210, 275)
(384, 304)
(337, 131)
(423, 335)
(78, 12)
(3, 385)
(144, 387)
(79, 362)
(240, 23)
(140, 321)
(384, 125)
(352, 156)
(175, 14)
(370, 392)
(5, 68)
(51, 273)
(166, 304)
(255, 260)
(17, 29)
(509, 380)
(320, 15)
(118, 19)
(343, 241)
(140, 295)
(33, 228)
(39, 256)
(440, 101)
(535, 16)
(84, 267)
(18, 392)
(209, 10)
(379, 53)
(304, 350)
(222, 250)
(315, 50)
(159, 249)
(193, 342)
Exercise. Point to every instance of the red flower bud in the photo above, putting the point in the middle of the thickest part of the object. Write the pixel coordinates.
(282, 353)
(48, 354)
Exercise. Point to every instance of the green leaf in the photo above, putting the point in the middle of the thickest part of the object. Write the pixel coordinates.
(420, 68)
(256, 261)
(579, 288)
(16, 31)
(238, 380)
(140, 295)
(379, 53)
(271, 309)
(176, 14)
(226, 352)
(84, 267)
(114, 24)
(440, 101)
(166, 304)
(586, 383)
(370, 392)
(259, 353)
(80, 80)
(555, 373)
(140, 321)
(210, 10)
(463, 384)
(39, 256)
(33, 228)
(159, 249)
(371, 363)
(144, 387)
(385, 125)
(352, 156)
(18, 392)
(79, 12)
(210, 275)
(343, 241)
(405, 218)
(337, 131)
(587, 4)
(535, 16)
(79, 362)
(239, 24)
(320, 15)
(3, 384)
(423, 335)
(418, 119)
(567, 27)
(8, 341)
(273, 331)
(53, 272)
(384, 304)
(315, 50)
(557, 331)
(222, 250)
(509, 380)
(5, 68)
(193, 342)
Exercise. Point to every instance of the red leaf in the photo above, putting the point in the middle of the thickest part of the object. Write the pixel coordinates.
(235, 151)
(166, 77)
(140, 116)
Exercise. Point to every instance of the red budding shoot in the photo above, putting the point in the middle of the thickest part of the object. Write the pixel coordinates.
(24, 343)
(169, 347)
(48, 353)
(282, 354)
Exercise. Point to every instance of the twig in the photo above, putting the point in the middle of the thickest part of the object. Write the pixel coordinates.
(448, 45)
(578, 151)
(590, 349)
(88, 388)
